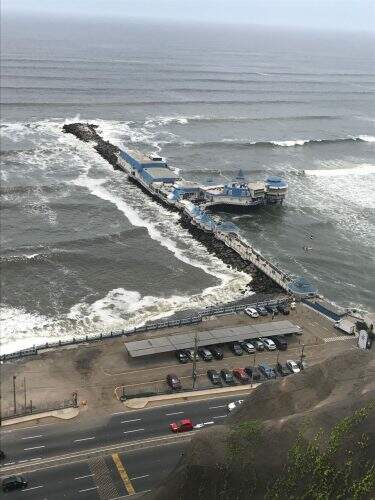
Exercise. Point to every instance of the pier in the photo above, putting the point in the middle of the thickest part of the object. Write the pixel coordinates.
(194, 216)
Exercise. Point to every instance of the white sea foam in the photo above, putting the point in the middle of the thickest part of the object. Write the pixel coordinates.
(287, 144)
(363, 169)
(366, 138)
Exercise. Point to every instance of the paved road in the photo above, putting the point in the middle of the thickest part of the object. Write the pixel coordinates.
(100, 478)
(50, 440)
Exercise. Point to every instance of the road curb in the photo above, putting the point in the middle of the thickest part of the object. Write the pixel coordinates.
(139, 403)
(64, 414)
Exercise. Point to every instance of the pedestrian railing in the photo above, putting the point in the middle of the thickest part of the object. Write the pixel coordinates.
(30, 409)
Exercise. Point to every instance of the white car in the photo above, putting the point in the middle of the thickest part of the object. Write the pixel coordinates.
(292, 365)
(269, 344)
(203, 424)
(235, 404)
(247, 347)
(250, 311)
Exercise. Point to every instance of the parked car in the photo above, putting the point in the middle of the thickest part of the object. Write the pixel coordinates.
(247, 347)
(272, 309)
(216, 352)
(190, 354)
(258, 345)
(182, 356)
(183, 425)
(252, 312)
(174, 382)
(253, 373)
(262, 311)
(235, 347)
(235, 404)
(292, 365)
(281, 343)
(227, 376)
(282, 369)
(214, 376)
(268, 344)
(13, 483)
(284, 309)
(205, 354)
(267, 371)
(241, 375)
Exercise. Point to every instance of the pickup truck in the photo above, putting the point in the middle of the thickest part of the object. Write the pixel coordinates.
(346, 326)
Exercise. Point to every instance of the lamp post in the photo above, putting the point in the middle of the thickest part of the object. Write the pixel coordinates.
(14, 394)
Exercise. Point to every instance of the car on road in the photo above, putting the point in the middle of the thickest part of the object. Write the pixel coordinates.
(267, 371)
(235, 404)
(272, 309)
(183, 425)
(174, 382)
(205, 354)
(227, 376)
(216, 351)
(280, 342)
(268, 344)
(190, 354)
(262, 311)
(236, 348)
(284, 309)
(247, 347)
(203, 424)
(252, 312)
(253, 373)
(241, 375)
(258, 345)
(282, 369)
(182, 357)
(293, 367)
(214, 376)
(14, 483)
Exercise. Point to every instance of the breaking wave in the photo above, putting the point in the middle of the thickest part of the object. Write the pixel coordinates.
(363, 169)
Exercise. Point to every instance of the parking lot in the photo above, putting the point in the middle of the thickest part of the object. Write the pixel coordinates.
(95, 369)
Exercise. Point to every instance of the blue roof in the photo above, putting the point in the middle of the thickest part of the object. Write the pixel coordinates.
(276, 181)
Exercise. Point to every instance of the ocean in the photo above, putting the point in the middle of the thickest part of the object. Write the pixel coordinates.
(84, 250)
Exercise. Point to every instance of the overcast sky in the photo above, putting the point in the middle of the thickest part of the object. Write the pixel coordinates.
(326, 14)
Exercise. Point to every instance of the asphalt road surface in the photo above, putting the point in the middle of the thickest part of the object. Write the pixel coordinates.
(104, 457)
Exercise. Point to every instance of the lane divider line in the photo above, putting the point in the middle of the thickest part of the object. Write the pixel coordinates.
(33, 488)
(128, 421)
(83, 477)
(123, 474)
(88, 489)
(83, 439)
(34, 448)
(134, 430)
(33, 437)
(139, 477)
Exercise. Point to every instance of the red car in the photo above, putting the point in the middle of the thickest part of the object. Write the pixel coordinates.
(241, 375)
(183, 425)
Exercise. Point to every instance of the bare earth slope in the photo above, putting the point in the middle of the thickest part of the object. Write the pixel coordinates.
(244, 458)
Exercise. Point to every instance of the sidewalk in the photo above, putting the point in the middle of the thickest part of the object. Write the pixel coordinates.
(65, 414)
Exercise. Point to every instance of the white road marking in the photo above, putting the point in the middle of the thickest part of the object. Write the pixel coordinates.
(133, 420)
(34, 448)
(33, 437)
(24, 428)
(38, 458)
(119, 413)
(82, 477)
(83, 439)
(214, 407)
(174, 413)
(220, 416)
(88, 489)
(9, 463)
(135, 430)
(139, 477)
(33, 488)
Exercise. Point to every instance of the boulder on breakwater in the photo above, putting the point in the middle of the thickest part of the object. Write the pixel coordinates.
(87, 132)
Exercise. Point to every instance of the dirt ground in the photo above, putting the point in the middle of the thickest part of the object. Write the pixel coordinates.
(94, 370)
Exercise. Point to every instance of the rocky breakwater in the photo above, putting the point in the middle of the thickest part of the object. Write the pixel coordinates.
(260, 283)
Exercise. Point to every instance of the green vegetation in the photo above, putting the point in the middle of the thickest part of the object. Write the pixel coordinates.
(337, 466)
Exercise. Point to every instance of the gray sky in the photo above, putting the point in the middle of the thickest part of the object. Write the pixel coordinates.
(326, 14)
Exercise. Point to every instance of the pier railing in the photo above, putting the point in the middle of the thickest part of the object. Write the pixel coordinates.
(191, 320)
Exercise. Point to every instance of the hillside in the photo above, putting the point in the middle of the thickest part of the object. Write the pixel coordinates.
(300, 437)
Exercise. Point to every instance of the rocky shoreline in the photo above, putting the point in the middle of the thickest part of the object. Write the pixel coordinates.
(260, 283)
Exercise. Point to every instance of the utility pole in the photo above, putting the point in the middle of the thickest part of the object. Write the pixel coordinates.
(302, 355)
(14, 394)
(252, 371)
(195, 360)
(24, 388)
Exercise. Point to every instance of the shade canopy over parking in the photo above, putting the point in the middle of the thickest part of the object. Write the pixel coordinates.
(172, 343)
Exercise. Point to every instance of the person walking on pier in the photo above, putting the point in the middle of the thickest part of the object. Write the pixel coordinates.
(273, 315)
